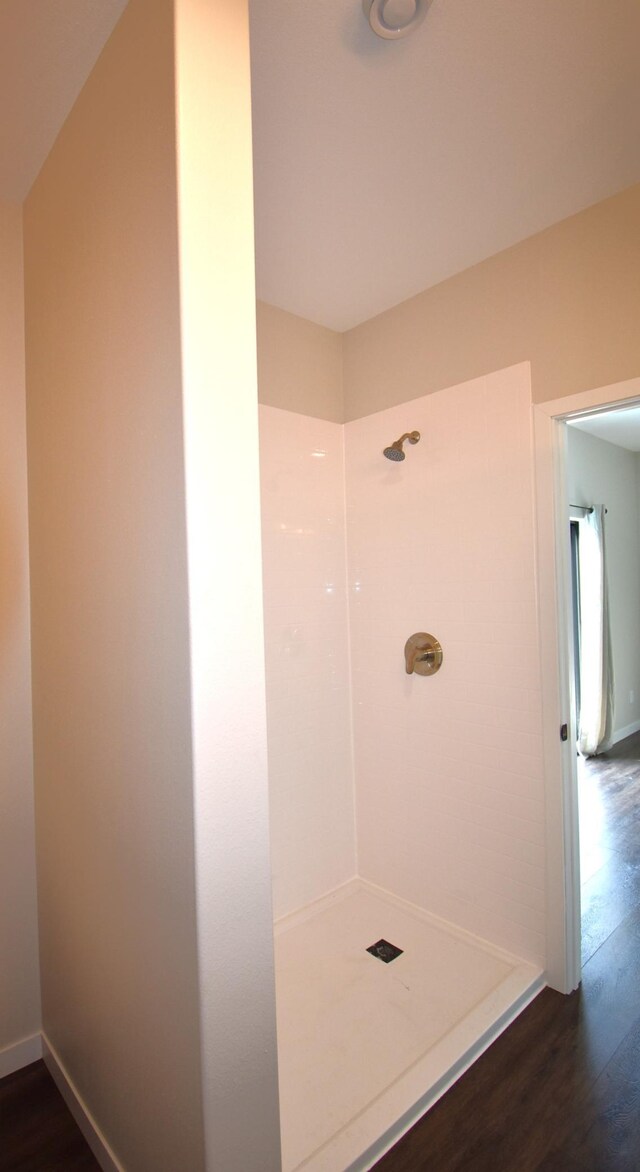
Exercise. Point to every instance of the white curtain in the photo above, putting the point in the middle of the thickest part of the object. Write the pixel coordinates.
(596, 671)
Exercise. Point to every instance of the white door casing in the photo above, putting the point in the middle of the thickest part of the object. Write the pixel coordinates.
(556, 654)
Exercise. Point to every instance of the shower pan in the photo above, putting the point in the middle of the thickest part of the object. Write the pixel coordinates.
(407, 840)
(365, 1047)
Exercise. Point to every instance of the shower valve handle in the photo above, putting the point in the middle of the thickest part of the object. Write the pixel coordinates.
(422, 654)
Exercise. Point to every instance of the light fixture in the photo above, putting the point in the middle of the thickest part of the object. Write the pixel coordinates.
(392, 19)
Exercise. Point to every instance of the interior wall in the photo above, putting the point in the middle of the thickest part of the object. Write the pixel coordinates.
(449, 768)
(307, 656)
(603, 473)
(113, 767)
(299, 364)
(19, 978)
(565, 299)
(220, 404)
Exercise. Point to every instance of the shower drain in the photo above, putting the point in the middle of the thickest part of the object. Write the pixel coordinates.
(385, 951)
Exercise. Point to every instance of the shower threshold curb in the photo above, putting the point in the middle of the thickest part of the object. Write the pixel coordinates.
(358, 1145)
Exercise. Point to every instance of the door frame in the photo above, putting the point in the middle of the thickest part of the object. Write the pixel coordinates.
(556, 658)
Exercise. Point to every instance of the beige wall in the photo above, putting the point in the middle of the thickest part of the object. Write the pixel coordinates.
(19, 989)
(109, 606)
(299, 365)
(567, 300)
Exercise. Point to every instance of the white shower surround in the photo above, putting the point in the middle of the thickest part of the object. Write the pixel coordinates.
(447, 771)
(313, 842)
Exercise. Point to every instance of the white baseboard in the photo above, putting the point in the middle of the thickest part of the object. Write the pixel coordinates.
(621, 734)
(83, 1117)
(20, 1054)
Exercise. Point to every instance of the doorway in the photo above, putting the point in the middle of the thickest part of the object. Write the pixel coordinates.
(603, 455)
(559, 690)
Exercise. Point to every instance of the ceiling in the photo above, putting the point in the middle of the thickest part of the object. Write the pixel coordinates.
(47, 50)
(616, 427)
(381, 167)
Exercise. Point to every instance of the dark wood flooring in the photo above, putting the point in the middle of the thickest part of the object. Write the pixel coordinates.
(37, 1131)
(559, 1091)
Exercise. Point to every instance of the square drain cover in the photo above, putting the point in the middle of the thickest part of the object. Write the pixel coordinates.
(385, 951)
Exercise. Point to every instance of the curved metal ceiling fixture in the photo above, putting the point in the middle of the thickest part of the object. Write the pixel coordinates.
(392, 19)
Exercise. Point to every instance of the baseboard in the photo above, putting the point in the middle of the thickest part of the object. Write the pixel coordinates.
(20, 1054)
(621, 734)
(83, 1117)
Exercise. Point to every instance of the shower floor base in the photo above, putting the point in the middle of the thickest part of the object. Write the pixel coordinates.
(366, 1047)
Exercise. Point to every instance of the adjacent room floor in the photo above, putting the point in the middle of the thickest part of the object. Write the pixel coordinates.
(559, 1091)
(609, 790)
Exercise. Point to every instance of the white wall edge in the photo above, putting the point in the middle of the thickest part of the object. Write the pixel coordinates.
(105, 1156)
(20, 1054)
(556, 650)
(560, 785)
(216, 260)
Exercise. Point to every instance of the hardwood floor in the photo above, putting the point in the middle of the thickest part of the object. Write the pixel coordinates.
(558, 1092)
(37, 1132)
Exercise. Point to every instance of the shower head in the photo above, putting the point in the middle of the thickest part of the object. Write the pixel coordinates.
(395, 451)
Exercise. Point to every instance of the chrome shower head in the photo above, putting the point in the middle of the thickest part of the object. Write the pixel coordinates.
(395, 451)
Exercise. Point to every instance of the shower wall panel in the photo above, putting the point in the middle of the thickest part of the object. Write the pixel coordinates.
(307, 656)
(449, 775)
